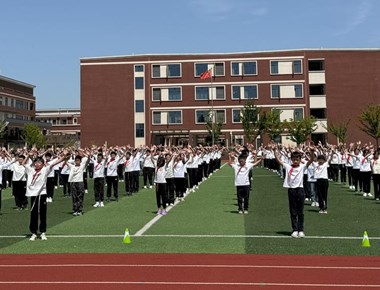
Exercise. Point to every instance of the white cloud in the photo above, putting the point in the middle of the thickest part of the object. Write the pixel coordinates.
(360, 15)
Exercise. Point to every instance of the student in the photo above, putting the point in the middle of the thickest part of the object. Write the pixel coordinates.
(365, 172)
(293, 181)
(98, 175)
(50, 178)
(321, 175)
(169, 178)
(148, 168)
(160, 182)
(179, 176)
(128, 174)
(375, 166)
(112, 176)
(242, 180)
(19, 183)
(137, 155)
(77, 182)
(36, 189)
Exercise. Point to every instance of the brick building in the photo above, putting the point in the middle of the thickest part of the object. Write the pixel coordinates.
(161, 99)
(17, 108)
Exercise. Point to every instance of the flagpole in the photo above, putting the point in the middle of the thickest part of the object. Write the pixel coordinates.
(212, 106)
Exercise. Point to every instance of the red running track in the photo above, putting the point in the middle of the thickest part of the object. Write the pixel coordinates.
(187, 271)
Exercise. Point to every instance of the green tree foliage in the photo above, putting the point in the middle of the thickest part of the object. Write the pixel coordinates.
(273, 125)
(253, 125)
(300, 130)
(33, 136)
(338, 129)
(370, 122)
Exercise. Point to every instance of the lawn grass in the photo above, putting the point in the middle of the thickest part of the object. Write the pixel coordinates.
(206, 222)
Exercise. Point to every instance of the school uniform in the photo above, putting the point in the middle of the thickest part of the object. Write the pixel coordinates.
(112, 178)
(376, 177)
(50, 183)
(65, 171)
(148, 169)
(179, 178)
(321, 174)
(365, 175)
(136, 172)
(19, 185)
(98, 175)
(77, 185)
(242, 184)
(169, 177)
(349, 164)
(357, 182)
(293, 181)
(160, 182)
(342, 167)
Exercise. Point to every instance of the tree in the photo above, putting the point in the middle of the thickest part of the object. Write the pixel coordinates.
(339, 130)
(300, 130)
(370, 122)
(214, 127)
(33, 136)
(273, 125)
(253, 125)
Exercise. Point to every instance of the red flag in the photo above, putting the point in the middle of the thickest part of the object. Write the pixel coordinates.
(206, 74)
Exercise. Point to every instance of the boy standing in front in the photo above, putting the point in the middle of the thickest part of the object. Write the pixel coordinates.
(293, 181)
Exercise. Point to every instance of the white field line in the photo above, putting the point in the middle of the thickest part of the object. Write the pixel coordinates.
(196, 236)
(207, 266)
(363, 286)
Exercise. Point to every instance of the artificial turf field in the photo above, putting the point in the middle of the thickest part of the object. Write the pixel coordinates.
(206, 222)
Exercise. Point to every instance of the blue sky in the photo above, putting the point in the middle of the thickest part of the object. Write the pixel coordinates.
(42, 41)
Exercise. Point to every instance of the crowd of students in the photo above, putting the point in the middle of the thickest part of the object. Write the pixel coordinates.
(306, 171)
(37, 173)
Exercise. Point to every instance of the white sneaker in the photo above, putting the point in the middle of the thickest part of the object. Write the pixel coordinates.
(313, 203)
(97, 204)
(364, 194)
(33, 237)
(369, 194)
(144, 186)
(101, 204)
(43, 237)
(55, 187)
(301, 234)
(150, 186)
(85, 191)
(240, 212)
(294, 234)
(316, 204)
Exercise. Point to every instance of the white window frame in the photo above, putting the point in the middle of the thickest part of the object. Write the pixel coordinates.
(241, 65)
(181, 117)
(283, 60)
(166, 64)
(167, 112)
(287, 98)
(244, 85)
(210, 66)
(166, 88)
(209, 93)
(232, 116)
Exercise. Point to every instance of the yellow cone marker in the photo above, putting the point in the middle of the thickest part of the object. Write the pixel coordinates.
(365, 242)
(127, 237)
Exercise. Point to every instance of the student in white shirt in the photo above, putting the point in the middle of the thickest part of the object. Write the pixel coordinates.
(321, 175)
(50, 178)
(148, 168)
(160, 182)
(293, 181)
(137, 155)
(169, 177)
(19, 182)
(242, 180)
(375, 166)
(98, 175)
(128, 173)
(112, 177)
(77, 182)
(37, 174)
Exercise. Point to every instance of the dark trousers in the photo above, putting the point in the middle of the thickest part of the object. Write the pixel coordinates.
(161, 195)
(99, 188)
(192, 173)
(335, 172)
(65, 183)
(376, 184)
(343, 173)
(85, 180)
(148, 175)
(90, 169)
(77, 193)
(135, 181)
(56, 174)
(128, 182)
(355, 178)
(242, 193)
(322, 191)
(50, 187)
(349, 174)
(120, 171)
(296, 198)
(366, 179)
(170, 190)
(19, 191)
(179, 186)
(112, 182)
(39, 209)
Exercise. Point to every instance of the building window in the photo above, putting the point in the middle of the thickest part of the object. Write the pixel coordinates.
(317, 90)
(75, 121)
(139, 83)
(139, 106)
(202, 93)
(275, 91)
(173, 70)
(217, 68)
(219, 93)
(284, 67)
(220, 116)
(174, 94)
(31, 106)
(318, 113)
(298, 114)
(298, 91)
(236, 116)
(139, 68)
(174, 117)
(316, 65)
(156, 118)
(166, 71)
(156, 94)
(64, 121)
(202, 116)
(244, 92)
(139, 130)
(243, 68)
